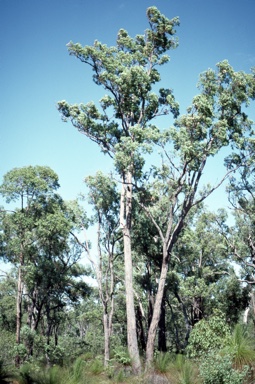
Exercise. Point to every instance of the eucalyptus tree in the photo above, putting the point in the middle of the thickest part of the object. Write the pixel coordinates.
(241, 192)
(23, 185)
(103, 196)
(201, 276)
(240, 236)
(216, 119)
(121, 126)
(37, 239)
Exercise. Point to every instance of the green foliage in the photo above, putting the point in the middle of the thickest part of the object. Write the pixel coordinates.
(185, 369)
(127, 72)
(218, 369)
(162, 362)
(34, 374)
(7, 303)
(5, 373)
(26, 374)
(241, 347)
(28, 183)
(120, 354)
(233, 299)
(208, 335)
(96, 366)
(77, 372)
(7, 341)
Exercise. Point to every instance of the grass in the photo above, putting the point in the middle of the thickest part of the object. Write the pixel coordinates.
(5, 374)
(177, 369)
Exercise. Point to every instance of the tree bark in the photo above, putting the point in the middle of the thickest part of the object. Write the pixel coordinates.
(157, 311)
(106, 339)
(140, 328)
(125, 222)
(162, 326)
(19, 307)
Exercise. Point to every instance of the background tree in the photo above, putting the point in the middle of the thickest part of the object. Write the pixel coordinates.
(216, 119)
(104, 198)
(36, 238)
(24, 185)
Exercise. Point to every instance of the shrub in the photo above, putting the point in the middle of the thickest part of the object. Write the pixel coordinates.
(7, 341)
(120, 354)
(208, 335)
(217, 369)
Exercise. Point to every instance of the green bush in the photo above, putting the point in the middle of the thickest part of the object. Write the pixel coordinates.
(120, 354)
(7, 341)
(218, 369)
(208, 335)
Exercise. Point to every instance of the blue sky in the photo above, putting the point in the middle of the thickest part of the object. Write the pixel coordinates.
(36, 70)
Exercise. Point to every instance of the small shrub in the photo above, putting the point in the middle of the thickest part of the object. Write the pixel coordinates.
(218, 369)
(121, 355)
(208, 335)
(7, 340)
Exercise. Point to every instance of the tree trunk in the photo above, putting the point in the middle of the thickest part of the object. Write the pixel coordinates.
(156, 312)
(162, 326)
(106, 339)
(140, 328)
(197, 314)
(19, 308)
(125, 222)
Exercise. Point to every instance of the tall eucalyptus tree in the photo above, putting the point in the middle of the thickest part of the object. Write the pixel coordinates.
(122, 125)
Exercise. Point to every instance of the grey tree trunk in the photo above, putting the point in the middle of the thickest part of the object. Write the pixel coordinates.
(156, 311)
(125, 222)
(106, 340)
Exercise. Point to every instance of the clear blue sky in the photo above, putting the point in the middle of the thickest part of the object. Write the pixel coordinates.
(36, 70)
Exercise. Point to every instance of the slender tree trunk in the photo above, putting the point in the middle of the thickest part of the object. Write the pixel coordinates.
(140, 328)
(197, 309)
(150, 307)
(19, 307)
(157, 310)
(162, 326)
(188, 325)
(106, 339)
(125, 222)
